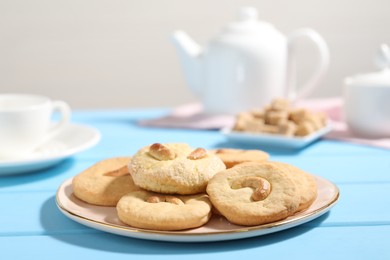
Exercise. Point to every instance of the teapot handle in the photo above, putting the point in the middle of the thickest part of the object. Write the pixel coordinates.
(320, 70)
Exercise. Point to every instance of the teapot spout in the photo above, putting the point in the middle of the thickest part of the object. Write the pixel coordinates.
(190, 58)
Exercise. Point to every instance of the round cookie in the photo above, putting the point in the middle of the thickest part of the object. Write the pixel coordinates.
(306, 183)
(254, 194)
(105, 182)
(232, 157)
(174, 168)
(149, 210)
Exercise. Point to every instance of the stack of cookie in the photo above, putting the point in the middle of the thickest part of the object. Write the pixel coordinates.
(279, 117)
(176, 187)
(174, 178)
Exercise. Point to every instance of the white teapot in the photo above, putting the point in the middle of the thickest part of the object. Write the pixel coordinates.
(246, 65)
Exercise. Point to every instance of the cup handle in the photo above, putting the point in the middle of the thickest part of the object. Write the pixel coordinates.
(320, 70)
(65, 112)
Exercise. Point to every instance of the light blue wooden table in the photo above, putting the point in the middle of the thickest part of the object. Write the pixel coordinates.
(358, 227)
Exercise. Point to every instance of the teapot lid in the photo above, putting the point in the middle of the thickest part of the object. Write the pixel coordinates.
(247, 21)
(381, 77)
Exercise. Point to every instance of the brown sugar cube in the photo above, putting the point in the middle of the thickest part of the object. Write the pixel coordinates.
(254, 125)
(267, 109)
(298, 115)
(279, 104)
(323, 118)
(304, 128)
(258, 114)
(315, 120)
(276, 117)
(241, 121)
(287, 128)
(270, 129)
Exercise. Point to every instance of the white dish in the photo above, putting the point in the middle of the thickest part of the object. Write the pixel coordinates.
(273, 140)
(217, 229)
(72, 139)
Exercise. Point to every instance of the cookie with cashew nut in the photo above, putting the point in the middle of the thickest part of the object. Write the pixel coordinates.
(305, 181)
(149, 210)
(254, 194)
(232, 157)
(174, 168)
(105, 182)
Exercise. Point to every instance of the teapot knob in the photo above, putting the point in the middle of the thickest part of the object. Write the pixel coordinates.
(383, 57)
(247, 14)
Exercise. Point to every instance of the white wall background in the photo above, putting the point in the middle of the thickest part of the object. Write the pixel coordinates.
(117, 53)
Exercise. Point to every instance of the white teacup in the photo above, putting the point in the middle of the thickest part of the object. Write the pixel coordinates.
(367, 110)
(26, 122)
(367, 100)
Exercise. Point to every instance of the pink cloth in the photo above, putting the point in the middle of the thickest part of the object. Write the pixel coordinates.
(190, 116)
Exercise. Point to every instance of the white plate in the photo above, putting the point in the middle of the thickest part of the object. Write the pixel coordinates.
(72, 139)
(217, 229)
(273, 140)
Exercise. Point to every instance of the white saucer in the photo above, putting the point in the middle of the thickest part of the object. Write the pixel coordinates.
(73, 139)
(273, 140)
